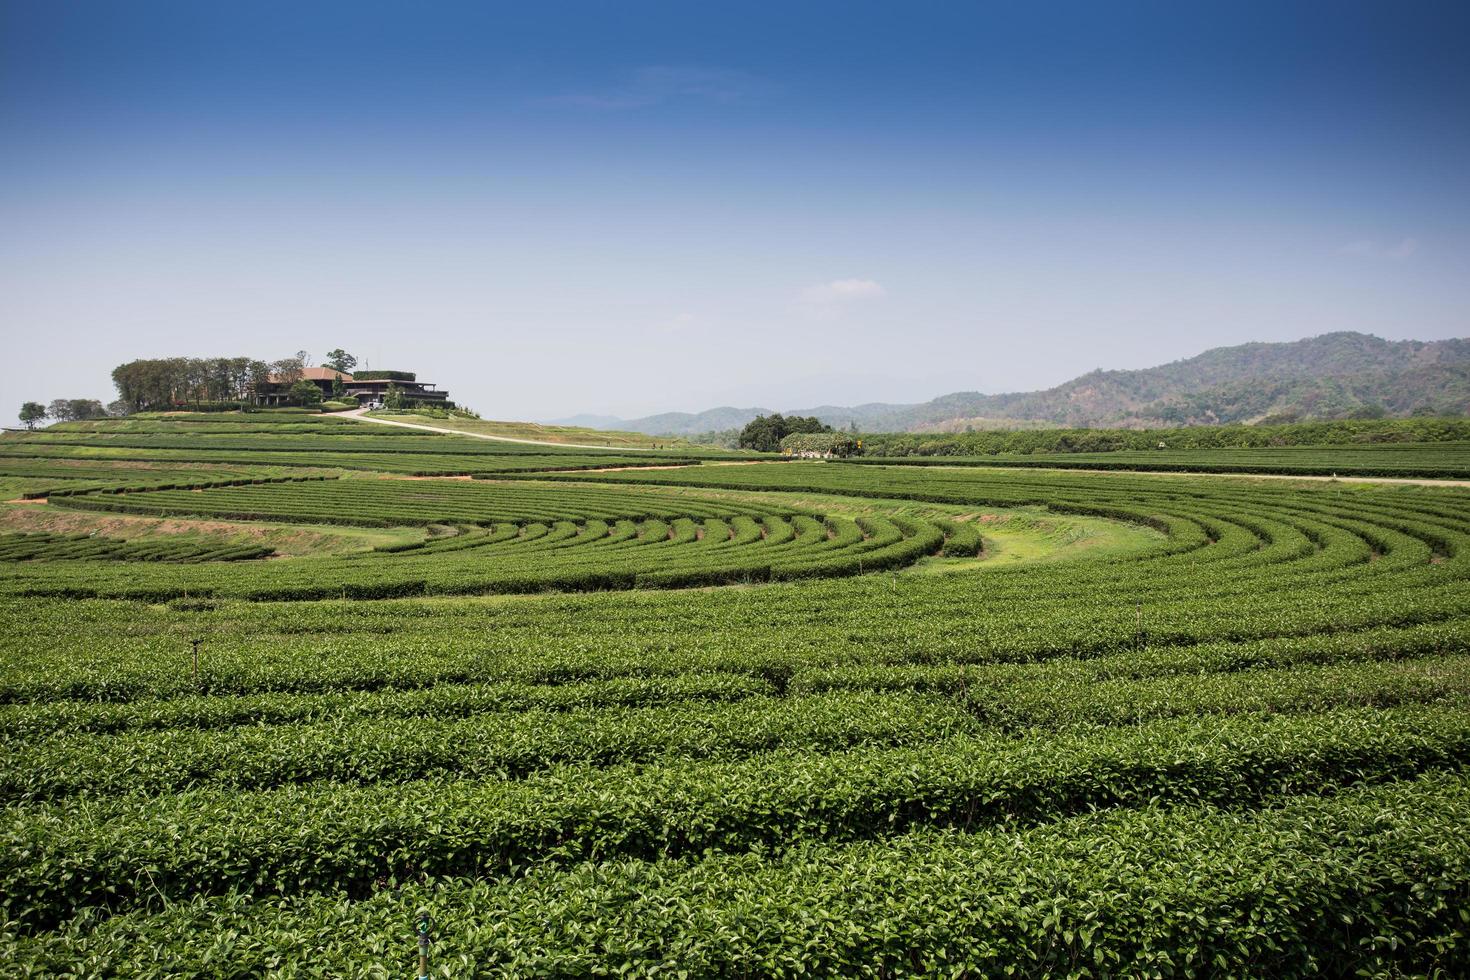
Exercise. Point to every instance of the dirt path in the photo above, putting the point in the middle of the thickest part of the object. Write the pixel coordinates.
(360, 414)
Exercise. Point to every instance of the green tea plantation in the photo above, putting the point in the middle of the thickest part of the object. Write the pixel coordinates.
(271, 684)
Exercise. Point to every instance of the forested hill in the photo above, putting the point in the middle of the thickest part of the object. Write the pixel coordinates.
(1333, 376)
(1336, 375)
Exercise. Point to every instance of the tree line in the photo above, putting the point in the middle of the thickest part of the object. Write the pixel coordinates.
(68, 410)
(190, 382)
(169, 381)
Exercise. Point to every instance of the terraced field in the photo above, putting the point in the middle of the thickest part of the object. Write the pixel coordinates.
(501, 538)
(293, 440)
(1235, 744)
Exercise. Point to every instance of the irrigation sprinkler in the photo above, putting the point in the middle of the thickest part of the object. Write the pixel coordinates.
(422, 928)
(195, 644)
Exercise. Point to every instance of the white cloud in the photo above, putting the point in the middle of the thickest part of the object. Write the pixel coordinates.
(1376, 250)
(829, 298)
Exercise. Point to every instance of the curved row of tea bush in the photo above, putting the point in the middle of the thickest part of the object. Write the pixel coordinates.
(1368, 882)
(1223, 539)
(128, 849)
(512, 538)
(1232, 742)
(42, 546)
(512, 744)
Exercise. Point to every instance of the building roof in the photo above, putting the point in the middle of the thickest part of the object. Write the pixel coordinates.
(324, 374)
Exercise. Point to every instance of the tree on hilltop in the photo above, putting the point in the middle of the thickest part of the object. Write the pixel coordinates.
(75, 409)
(340, 360)
(161, 383)
(31, 413)
(287, 370)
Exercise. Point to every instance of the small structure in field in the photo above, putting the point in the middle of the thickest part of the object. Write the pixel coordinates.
(821, 445)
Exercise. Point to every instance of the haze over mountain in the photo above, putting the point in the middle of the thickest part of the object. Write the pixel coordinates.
(1331, 376)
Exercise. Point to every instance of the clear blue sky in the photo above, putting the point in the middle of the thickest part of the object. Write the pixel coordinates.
(631, 207)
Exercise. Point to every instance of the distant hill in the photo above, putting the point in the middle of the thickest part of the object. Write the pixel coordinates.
(671, 423)
(1336, 375)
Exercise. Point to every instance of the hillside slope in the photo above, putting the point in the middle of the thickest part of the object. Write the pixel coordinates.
(1335, 375)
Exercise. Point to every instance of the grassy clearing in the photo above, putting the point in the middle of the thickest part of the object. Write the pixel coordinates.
(1035, 534)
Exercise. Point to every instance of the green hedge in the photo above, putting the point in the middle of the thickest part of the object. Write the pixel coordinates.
(384, 376)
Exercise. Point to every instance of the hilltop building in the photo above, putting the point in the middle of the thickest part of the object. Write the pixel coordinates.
(365, 388)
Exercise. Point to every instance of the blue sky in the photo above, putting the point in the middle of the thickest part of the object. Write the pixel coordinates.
(636, 207)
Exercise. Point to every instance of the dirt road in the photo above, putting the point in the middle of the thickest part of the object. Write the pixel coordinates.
(360, 414)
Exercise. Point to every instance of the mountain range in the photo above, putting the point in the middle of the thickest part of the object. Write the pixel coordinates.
(1335, 375)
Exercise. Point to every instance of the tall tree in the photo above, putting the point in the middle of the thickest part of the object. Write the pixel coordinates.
(805, 423)
(259, 376)
(765, 432)
(340, 360)
(59, 409)
(287, 370)
(31, 413)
